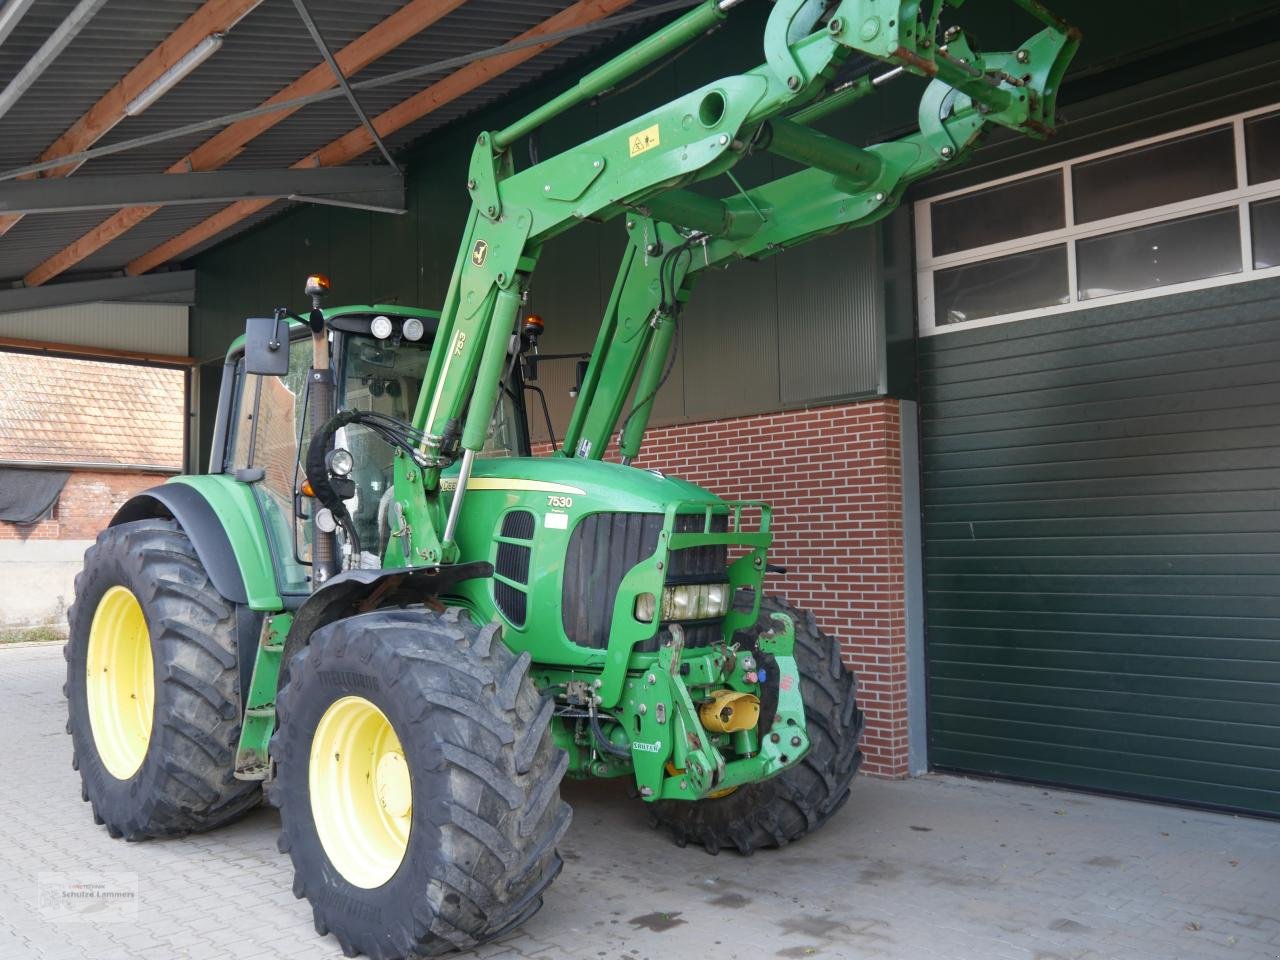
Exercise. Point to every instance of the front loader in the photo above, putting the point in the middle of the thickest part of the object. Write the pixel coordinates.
(378, 605)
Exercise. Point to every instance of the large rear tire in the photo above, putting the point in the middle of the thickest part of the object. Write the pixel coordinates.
(777, 811)
(418, 784)
(152, 687)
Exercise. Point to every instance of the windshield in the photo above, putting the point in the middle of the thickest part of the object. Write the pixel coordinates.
(385, 376)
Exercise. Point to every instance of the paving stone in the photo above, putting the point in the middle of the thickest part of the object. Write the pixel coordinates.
(939, 868)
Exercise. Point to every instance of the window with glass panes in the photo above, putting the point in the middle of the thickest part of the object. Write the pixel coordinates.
(1195, 208)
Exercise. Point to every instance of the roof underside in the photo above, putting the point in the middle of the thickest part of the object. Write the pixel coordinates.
(264, 52)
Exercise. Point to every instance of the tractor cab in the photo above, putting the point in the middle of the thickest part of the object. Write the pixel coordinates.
(263, 428)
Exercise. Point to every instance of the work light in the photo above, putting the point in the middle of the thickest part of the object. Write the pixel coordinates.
(381, 326)
(339, 462)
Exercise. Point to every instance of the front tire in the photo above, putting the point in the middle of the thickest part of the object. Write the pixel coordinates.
(791, 805)
(418, 784)
(152, 687)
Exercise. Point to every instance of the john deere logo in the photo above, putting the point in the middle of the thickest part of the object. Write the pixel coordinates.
(479, 252)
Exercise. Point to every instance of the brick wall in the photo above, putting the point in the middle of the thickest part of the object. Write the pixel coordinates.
(834, 478)
(85, 506)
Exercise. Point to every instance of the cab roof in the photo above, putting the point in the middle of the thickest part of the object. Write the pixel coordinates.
(355, 309)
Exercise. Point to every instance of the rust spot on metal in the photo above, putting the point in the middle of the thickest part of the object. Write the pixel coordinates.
(913, 59)
(381, 590)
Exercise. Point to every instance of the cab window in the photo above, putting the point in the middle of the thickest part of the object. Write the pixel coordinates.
(385, 376)
(269, 422)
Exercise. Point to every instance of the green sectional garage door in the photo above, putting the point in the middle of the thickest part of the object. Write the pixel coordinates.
(1102, 547)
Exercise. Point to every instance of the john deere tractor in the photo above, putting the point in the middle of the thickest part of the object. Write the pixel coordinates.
(378, 605)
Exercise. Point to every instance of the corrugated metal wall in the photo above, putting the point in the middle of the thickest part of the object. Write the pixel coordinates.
(152, 328)
(1102, 539)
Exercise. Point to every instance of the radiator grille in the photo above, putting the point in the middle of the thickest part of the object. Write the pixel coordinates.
(512, 602)
(512, 562)
(604, 547)
(518, 524)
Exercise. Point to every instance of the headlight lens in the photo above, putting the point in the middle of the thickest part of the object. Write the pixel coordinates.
(693, 601)
(381, 326)
(644, 608)
(340, 462)
(412, 329)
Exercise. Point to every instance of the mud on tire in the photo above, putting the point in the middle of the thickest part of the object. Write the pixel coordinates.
(795, 803)
(185, 782)
(485, 777)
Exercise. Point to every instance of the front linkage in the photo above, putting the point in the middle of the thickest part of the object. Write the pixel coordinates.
(638, 715)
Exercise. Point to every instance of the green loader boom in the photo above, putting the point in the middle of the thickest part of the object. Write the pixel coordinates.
(578, 607)
(449, 500)
(380, 603)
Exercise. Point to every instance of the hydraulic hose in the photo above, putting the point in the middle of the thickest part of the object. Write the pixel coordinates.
(603, 742)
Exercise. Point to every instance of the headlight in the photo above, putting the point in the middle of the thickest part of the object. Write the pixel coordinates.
(693, 601)
(381, 326)
(644, 608)
(339, 462)
(412, 329)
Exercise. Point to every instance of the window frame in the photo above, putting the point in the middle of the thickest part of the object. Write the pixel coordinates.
(1240, 198)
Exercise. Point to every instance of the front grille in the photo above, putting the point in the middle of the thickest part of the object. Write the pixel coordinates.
(602, 549)
(698, 564)
(512, 602)
(512, 562)
(518, 524)
(605, 546)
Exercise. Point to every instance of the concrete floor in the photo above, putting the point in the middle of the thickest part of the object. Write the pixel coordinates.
(939, 867)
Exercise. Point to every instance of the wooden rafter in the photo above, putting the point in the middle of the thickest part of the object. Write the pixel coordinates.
(215, 16)
(357, 141)
(227, 144)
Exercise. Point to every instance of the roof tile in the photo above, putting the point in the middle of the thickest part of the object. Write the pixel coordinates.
(88, 411)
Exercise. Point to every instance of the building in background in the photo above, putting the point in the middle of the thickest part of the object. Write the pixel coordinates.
(78, 438)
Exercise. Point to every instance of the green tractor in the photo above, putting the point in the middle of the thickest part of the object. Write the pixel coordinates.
(378, 605)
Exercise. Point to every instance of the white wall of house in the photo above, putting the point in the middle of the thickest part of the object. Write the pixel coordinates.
(37, 581)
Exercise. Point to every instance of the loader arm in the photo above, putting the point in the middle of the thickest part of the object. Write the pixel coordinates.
(639, 322)
(642, 168)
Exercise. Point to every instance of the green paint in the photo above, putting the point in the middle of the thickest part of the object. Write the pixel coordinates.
(234, 502)
(253, 753)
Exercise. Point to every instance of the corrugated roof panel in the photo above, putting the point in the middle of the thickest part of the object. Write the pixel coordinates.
(108, 47)
(265, 52)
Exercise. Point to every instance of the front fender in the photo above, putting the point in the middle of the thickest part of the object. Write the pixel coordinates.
(224, 524)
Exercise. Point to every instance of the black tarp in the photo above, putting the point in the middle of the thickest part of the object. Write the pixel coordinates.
(28, 495)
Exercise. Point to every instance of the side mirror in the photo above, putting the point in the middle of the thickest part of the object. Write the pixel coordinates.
(266, 346)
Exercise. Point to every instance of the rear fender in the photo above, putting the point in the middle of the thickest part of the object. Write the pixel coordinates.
(222, 520)
(231, 545)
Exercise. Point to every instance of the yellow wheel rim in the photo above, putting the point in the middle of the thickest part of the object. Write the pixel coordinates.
(361, 794)
(120, 683)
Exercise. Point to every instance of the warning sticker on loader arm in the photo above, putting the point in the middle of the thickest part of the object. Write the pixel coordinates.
(646, 139)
